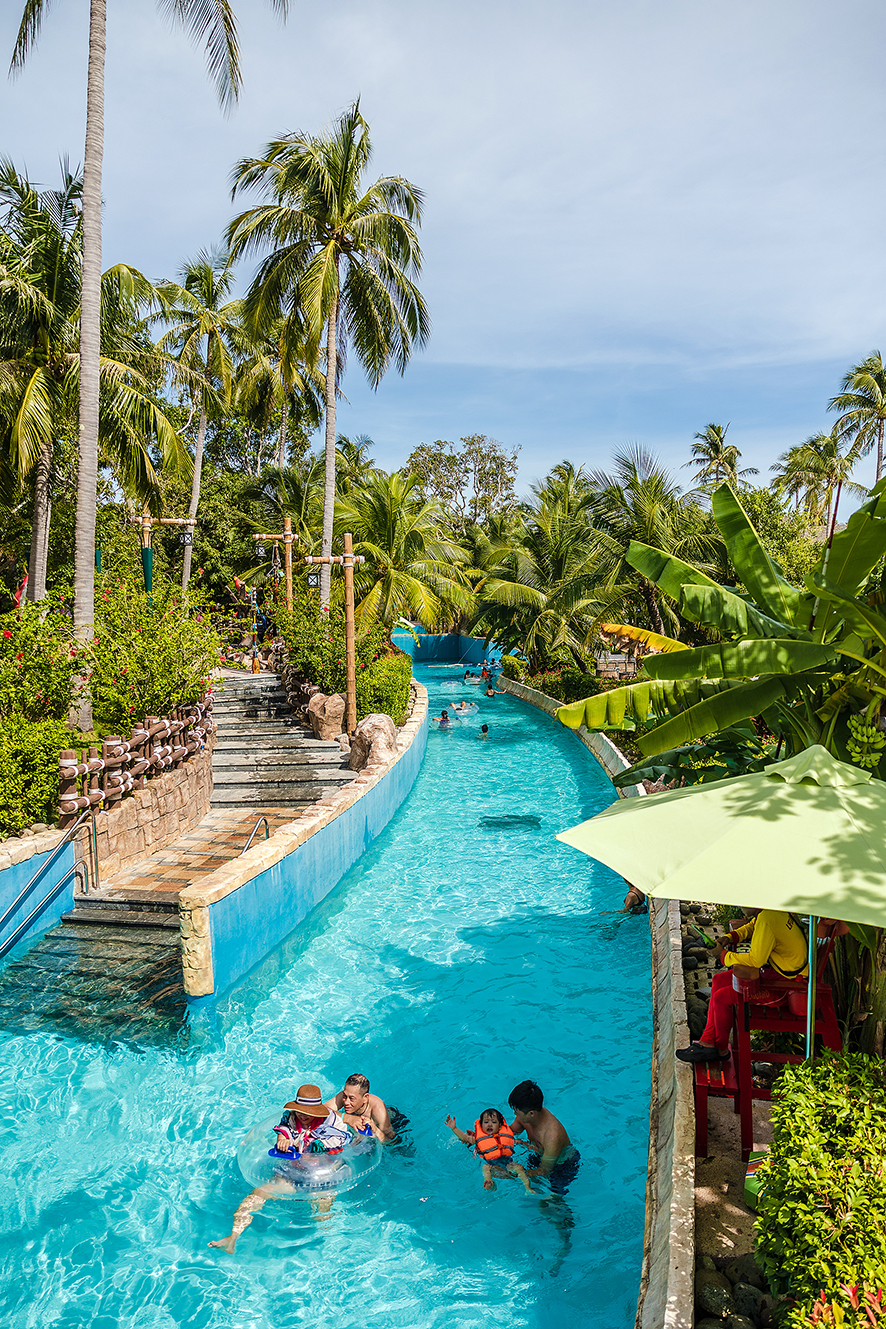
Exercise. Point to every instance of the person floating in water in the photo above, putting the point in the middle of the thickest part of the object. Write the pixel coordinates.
(493, 1143)
(307, 1126)
(493, 692)
(555, 1155)
(361, 1109)
(443, 720)
(484, 731)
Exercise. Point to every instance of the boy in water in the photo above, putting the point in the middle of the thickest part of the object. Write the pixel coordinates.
(484, 731)
(493, 1140)
(555, 1155)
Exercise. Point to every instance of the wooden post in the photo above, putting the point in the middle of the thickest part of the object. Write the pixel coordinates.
(287, 560)
(351, 706)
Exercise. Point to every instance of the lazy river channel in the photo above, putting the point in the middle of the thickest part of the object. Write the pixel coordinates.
(462, 954)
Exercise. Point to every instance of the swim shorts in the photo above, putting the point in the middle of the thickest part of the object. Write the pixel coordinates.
(562, 1175)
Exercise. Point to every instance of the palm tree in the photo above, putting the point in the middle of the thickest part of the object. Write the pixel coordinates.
(545, 577)
(354, 467)
(412, 567)
(275, 375)
(214, 25)
(203, 324)
(862, 403)
(810, 473)
(40, 276)
(639, 501)
(345, 255)
(715, 460)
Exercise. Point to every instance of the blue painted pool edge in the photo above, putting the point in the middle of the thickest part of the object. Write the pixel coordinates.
(16, 875)
(248, 924)
(444, 648)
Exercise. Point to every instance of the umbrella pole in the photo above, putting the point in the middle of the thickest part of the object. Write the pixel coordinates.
(810, 988)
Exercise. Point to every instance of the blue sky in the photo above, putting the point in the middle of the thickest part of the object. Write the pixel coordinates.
(640, 217)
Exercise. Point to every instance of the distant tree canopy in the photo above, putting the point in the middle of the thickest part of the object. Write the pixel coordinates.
(474, 482)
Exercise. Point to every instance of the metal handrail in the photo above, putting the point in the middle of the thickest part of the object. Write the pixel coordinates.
(253, 831)
(14, 936)
(44, 868)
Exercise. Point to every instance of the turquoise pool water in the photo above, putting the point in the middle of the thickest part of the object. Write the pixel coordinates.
(453, 961)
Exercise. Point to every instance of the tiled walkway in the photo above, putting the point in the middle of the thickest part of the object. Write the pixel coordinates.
(218, 838)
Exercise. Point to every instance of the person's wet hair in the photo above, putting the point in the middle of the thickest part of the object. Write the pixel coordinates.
(526, 1097)
(484, 729)
(360, 1081)
(492, 1112)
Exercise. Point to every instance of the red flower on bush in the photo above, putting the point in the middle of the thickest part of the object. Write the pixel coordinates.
(6, 632)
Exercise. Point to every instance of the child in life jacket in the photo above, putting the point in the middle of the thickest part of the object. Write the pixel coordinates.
(493, 1143)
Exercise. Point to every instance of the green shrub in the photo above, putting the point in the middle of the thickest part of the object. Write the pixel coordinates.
(383, 686)
(37, 663)
(565, 684)
(513, 667)
(822, 1214)
(29, 773)
(315, 643)
(148, 660)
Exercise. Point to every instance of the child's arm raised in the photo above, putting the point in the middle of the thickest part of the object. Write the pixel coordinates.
(466, 1137)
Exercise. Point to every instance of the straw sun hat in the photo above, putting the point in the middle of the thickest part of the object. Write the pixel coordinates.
(309, 1102)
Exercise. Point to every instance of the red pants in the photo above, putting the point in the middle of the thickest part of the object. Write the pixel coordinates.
(724, 997)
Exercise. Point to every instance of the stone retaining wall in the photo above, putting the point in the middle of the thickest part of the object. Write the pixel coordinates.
(666, 1282)
(168, 806)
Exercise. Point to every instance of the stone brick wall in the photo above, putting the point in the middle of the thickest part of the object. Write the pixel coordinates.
(169, 806)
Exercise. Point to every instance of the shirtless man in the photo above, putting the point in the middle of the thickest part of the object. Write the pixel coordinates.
(360, 1108)
(555, 1155)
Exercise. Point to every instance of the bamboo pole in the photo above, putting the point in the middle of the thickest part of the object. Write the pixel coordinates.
(287, 560)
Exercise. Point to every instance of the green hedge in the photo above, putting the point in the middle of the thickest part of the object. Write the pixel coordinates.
(315, 643)
(513, 667)
(29, 773)
(822, 1215)
(384, 687)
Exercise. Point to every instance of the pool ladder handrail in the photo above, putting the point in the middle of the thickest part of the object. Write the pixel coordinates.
(253, 831)
(22, 927)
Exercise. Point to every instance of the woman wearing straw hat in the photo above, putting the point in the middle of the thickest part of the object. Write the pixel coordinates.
(307, 1126)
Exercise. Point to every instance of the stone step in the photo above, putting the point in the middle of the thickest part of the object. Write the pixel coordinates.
(120, 898)
(270, 734)
(123, 917)
(259, 796)
(293, 757)
(159, 932)
(282, 775)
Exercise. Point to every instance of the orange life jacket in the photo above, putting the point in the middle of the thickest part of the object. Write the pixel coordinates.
(498, 1148)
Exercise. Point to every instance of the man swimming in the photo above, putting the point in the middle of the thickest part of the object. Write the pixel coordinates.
(555, 1155)
(360, 1108)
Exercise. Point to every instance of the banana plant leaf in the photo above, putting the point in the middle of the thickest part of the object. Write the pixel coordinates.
(624, 708)
(735, 751)
(741, 659)
(726, 708)
(867, 622)
(756, 568)
(854, 552)
(654, 640)
(720, 608)
(669, 573)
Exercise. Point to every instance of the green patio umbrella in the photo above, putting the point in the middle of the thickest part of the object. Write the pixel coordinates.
(807, 835)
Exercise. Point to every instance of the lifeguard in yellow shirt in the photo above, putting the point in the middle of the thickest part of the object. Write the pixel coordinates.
(778, 950)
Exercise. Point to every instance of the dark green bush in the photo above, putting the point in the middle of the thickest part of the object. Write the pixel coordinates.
(513, 667)
(822, 1215)
(564, 684)
(384, 687)
(29, 773)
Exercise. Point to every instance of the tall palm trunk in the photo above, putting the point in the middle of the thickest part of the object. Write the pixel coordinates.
(652, 608)
(281, 440)
(880, 447)
(329, 484)
(40, 526)
(90, 323)
(195, 495)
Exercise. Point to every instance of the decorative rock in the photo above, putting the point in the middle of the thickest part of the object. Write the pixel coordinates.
(344, 742)
(684, 910)
(739, 1322)
(706, 1262)
(690, 962)
(374, 743)
(713, 1293)
(39, 827)
(703, 921)
(694, 908)
(326, 715)
(708, 1324)
(748, 1300)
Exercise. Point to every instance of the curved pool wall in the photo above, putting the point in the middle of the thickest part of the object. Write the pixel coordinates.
(235, 917)
(464, 951)
(444, 648)
(20, 860)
